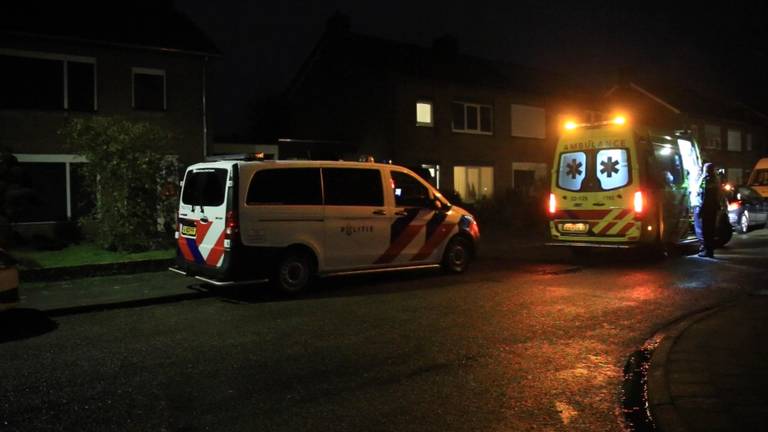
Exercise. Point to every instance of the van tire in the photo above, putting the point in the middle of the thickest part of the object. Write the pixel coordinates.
(457, 255)
(293, 272)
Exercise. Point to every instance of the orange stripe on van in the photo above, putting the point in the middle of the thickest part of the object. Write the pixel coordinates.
(433, 242)
(184, 248)
(401, 242)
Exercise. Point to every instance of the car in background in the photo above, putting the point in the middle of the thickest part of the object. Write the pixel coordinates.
(9, 281)
(747, 208)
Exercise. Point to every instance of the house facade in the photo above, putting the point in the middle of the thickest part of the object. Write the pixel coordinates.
(481, 128)
(731, 135)
(147, 65)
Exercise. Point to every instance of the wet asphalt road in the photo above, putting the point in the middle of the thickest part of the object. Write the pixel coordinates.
(507, 346)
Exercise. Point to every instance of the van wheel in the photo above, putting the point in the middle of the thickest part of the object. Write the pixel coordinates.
(457, 255)
(293, 272)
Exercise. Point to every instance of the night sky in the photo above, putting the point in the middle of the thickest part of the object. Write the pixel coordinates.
(717, 50)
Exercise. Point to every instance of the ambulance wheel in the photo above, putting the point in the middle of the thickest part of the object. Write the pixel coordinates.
(457, 255)
(294, 272)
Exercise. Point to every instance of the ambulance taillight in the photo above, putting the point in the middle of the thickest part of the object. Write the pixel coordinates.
(552, 204)
(639, 203)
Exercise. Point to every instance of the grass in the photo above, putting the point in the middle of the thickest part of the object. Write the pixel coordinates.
(84, 254)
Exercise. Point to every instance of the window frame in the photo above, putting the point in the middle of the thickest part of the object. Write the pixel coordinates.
(148, 71)
(478, 118)
(64, 59)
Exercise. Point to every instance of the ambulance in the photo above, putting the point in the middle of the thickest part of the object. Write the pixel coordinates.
(758, 179)
(619, 185)
(289, 221)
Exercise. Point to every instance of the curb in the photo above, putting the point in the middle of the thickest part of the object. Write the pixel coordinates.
(662, 409)
(63, 273)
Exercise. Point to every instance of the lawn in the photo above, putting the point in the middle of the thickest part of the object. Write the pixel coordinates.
(84, 254)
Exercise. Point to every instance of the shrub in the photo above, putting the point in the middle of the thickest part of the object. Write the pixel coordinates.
(128, 165)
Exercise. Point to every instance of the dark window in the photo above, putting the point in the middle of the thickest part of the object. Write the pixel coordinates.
(288, 186)
(353, 187)
(471, 117)
(524, 181)
(80, 88)
(43, 196)
(205, 187)
(148, 91)
(31, 83)
(409, 192)
(458, 116)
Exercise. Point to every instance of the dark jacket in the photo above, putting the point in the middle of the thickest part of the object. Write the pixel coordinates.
(710, 194)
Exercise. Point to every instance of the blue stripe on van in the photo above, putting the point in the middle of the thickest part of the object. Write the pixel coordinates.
(195, 251)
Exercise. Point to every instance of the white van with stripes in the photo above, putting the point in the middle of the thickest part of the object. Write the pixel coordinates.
(289, 221)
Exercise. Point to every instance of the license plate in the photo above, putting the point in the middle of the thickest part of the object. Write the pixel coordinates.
(188, 230)
(575, 227)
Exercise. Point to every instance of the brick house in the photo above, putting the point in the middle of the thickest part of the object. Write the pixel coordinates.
(481, 128)
(731, 135)
(144, 62)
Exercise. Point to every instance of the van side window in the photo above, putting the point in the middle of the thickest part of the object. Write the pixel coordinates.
(285, 186)
(205, 187)
(353, 187)
(573, 170)
(612, 168)
(409, 192)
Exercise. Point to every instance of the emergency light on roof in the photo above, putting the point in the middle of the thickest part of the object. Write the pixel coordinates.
(618, 120)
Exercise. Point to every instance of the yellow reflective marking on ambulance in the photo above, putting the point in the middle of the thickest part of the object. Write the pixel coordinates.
(621, 224)
(606, 220)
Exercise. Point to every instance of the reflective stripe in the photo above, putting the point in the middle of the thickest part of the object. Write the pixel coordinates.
(434, 241)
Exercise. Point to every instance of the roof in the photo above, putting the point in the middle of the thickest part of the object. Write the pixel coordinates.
(147, 25)
(679, 98)
(442, 62)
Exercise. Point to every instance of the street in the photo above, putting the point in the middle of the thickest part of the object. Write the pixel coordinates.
(509, 345)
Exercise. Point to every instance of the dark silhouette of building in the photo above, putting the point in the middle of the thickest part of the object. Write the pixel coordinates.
(481, 127)
(731, 134)
(139, 60)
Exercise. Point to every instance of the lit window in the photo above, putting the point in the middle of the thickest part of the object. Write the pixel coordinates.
(424, 113)
(473, 183)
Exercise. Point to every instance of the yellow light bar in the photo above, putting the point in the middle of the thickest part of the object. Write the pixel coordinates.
(570, 125)
(619, 120)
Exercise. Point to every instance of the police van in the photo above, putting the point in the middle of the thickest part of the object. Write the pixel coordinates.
(620, 185)
(288, 221)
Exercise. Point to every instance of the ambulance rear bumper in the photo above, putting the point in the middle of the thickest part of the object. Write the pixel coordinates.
(596, 245)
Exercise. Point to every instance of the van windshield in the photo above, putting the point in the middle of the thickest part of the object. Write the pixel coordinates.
(205, 187)
(594, 170)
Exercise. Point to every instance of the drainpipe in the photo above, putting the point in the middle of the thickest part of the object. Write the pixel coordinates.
(205, 118)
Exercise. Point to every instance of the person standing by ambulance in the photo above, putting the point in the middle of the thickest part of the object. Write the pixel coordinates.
(705, 215)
